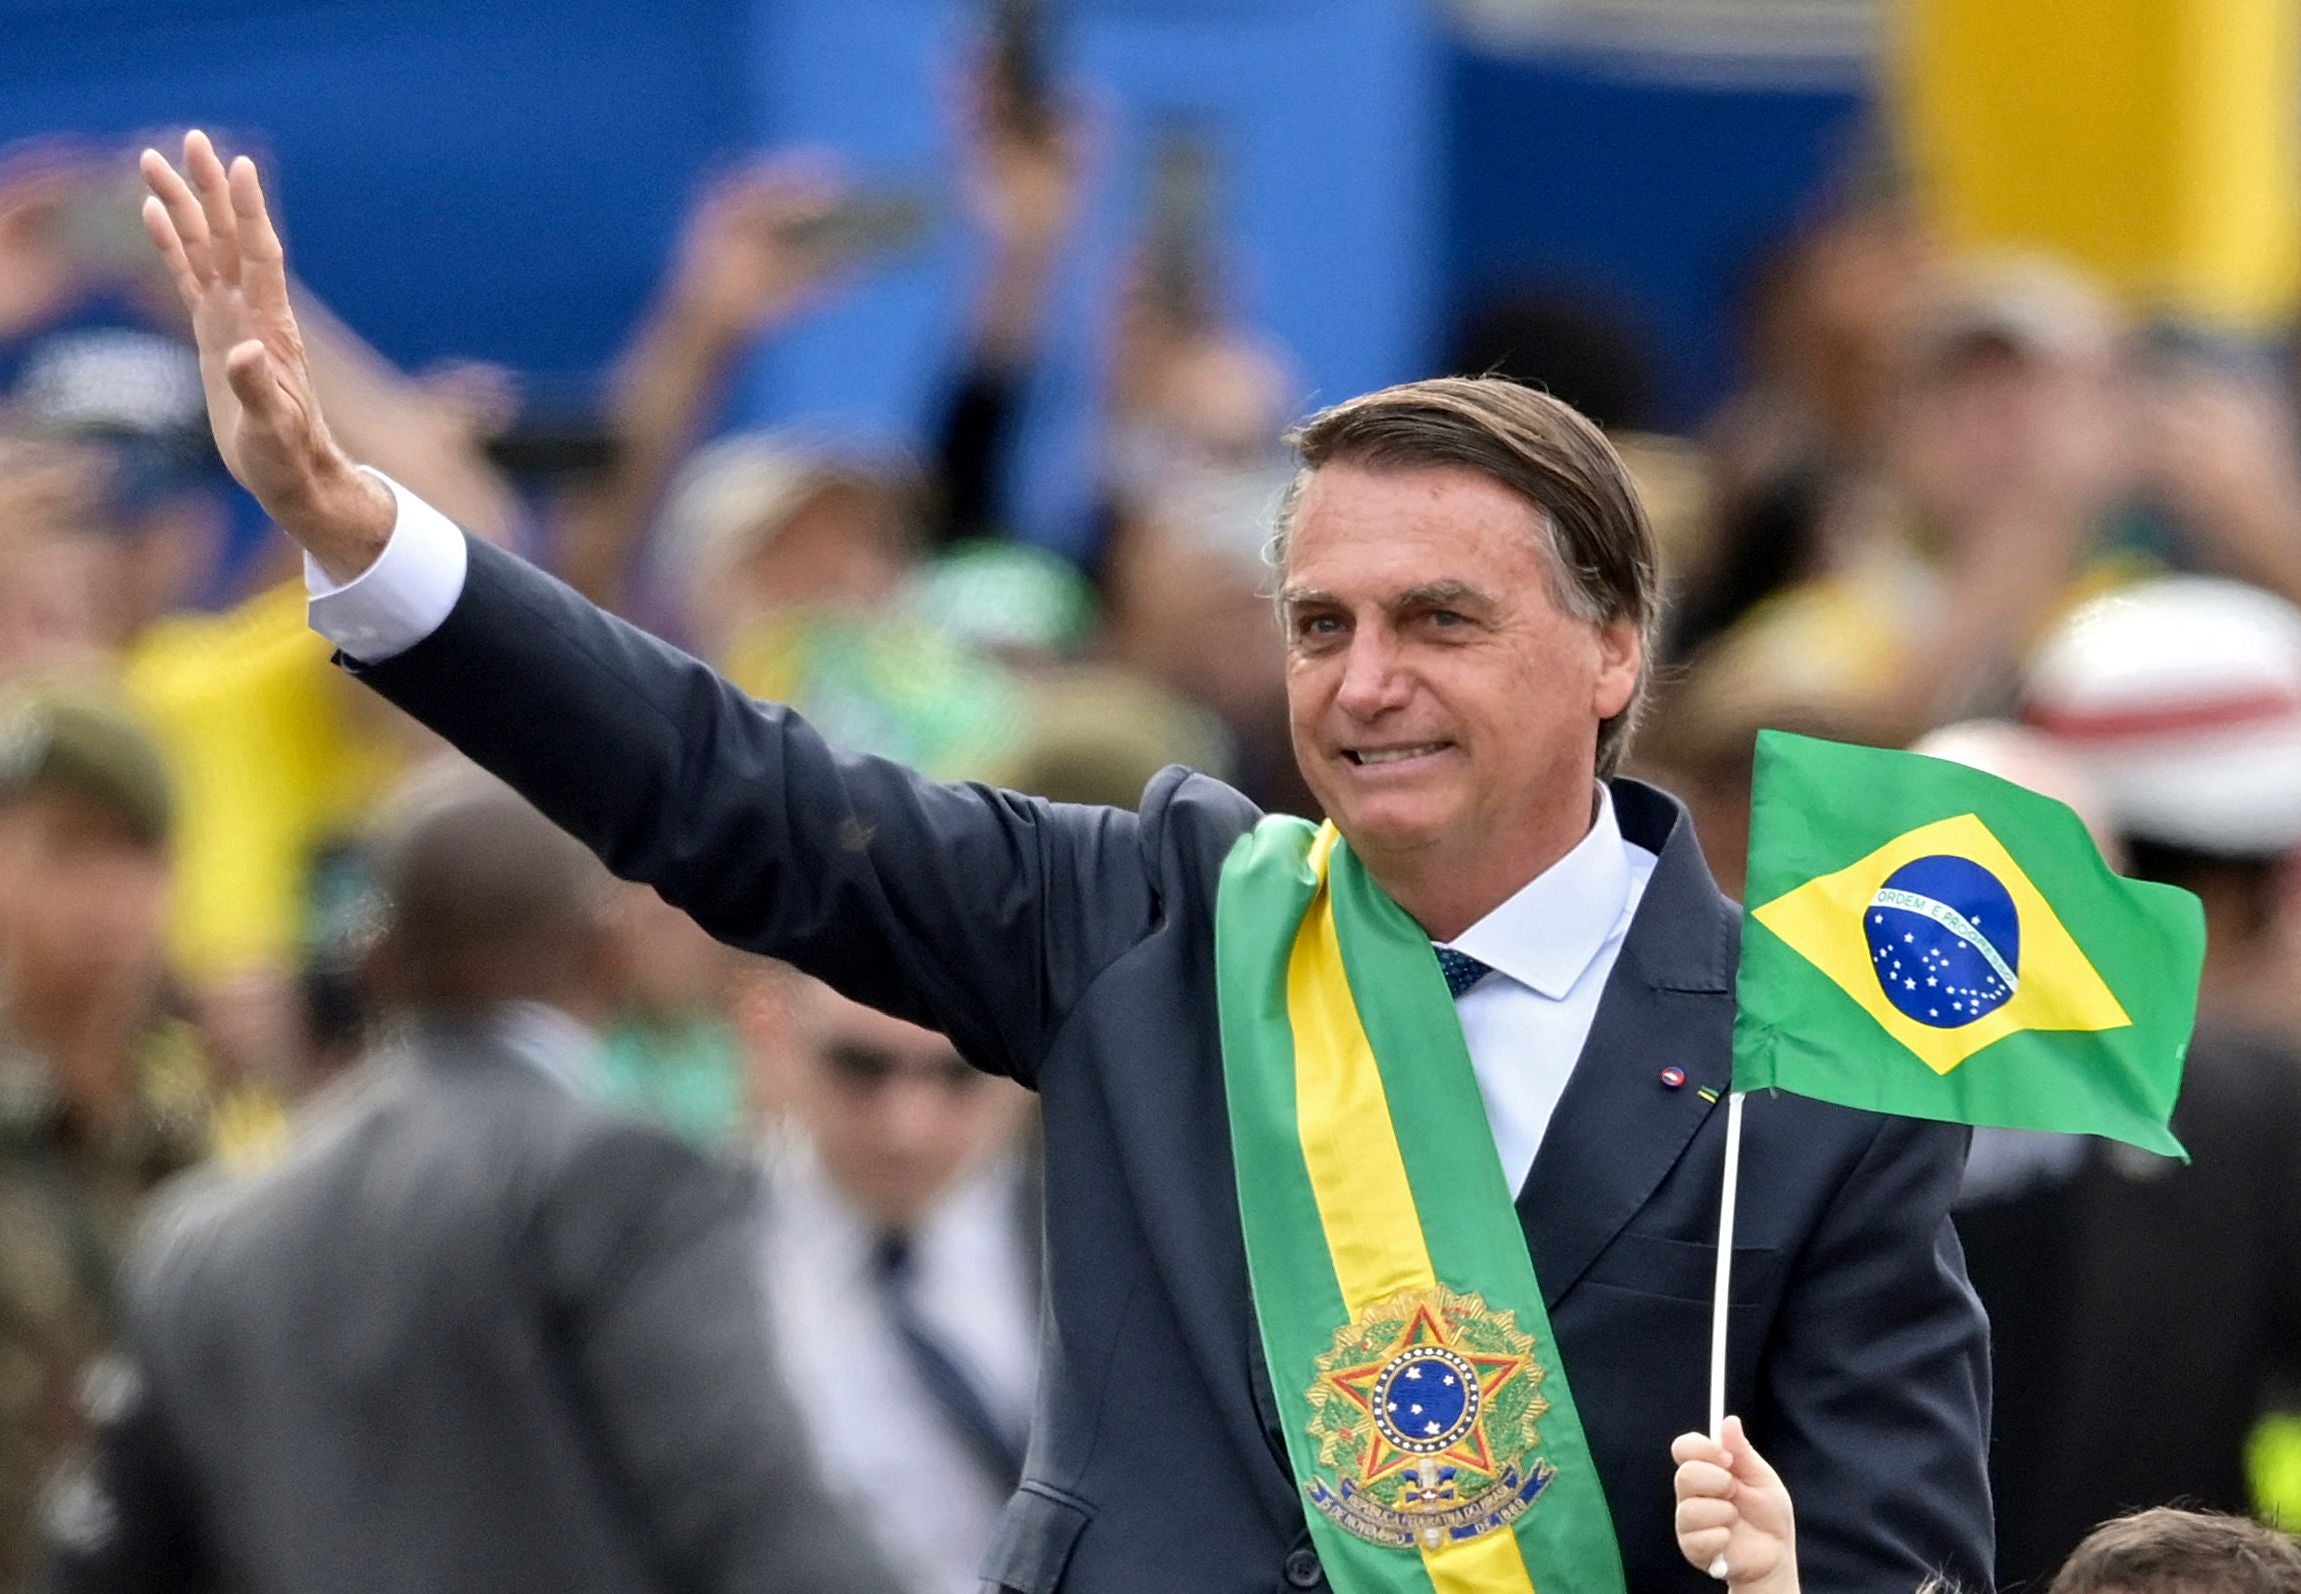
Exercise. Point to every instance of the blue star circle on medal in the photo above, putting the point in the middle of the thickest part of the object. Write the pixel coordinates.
(1426, 1400)
(1945, 941)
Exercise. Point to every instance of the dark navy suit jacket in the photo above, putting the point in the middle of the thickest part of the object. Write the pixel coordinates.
(1073, 948)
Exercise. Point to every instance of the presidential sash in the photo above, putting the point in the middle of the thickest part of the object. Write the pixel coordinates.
(1426, 1413)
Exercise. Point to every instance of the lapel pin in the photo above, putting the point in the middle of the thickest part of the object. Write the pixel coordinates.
(1672, 1078)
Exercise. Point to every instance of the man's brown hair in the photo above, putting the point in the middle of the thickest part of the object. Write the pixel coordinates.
(2166, 1551)
(1603, 565)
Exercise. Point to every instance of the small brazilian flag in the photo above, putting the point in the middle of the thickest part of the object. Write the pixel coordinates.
(1932, 941)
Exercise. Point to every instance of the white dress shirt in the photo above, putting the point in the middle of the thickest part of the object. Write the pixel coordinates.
(1551, 945)
(881, 1447)
(400, 599)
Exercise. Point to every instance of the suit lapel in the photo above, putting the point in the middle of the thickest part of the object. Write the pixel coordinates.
(1669, 1002)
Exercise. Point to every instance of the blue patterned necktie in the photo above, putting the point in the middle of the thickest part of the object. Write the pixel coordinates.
(953, 1391)
(1461, 969)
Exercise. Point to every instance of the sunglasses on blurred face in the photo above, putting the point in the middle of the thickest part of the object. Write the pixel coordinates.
(867, 1070)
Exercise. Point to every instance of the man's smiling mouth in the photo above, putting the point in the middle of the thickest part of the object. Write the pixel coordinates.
(1373, 756)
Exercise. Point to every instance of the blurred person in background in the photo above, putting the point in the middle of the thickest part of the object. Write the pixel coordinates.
(1994, 504)
(102, 1092)
(1196, 473)
(472, 1332)
(2220, 456)
(1099, 733)
(795, 563)
(751, 256)
(58, 602)
(670, 1052)
(130, 396)
(1703, 737)
(764, 244)
(114, 521)
(2180, 699)
(803, 565)
(95, 370)
(2130, 1294)
(902, 1249)
(1596, 355)
(1827, 320)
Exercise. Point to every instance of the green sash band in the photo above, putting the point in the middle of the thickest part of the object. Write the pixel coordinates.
(1426, 1412)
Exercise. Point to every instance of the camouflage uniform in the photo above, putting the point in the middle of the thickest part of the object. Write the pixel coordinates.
(70, 1195)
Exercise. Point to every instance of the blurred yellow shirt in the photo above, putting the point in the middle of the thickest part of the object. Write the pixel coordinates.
(270, 761)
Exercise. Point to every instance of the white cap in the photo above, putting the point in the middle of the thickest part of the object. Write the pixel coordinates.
(2181, 699)
(2027, 757)
(738, 493)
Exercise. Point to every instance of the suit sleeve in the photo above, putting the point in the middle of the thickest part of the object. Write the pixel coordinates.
(654, 1267)
(1875, 1383)
(973, 911)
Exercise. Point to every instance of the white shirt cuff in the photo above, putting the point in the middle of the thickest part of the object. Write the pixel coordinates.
(404, 596)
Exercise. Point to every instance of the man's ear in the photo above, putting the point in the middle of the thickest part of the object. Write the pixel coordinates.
(1621, 658)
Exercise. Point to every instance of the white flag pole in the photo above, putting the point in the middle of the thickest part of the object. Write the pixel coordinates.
(1725, 1265)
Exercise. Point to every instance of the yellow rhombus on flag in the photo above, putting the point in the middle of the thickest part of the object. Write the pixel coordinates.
(2056, 988)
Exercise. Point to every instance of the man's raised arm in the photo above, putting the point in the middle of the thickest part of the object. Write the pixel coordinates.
(978, 913)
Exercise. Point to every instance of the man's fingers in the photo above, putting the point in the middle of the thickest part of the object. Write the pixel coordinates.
(248, 367)
(184, 214)
(264, 270)
(163, 235)
(206, 172)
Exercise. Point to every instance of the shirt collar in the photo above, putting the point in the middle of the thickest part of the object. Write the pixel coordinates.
(551, 1041)
(1548, 932)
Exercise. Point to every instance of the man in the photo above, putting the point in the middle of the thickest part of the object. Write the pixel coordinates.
(101, 1093)
(1469, 587)
(902, 1259)
(472, 1333)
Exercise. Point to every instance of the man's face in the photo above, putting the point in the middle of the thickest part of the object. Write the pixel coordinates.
(1442, 704)
(896, 1115)
(82, 900)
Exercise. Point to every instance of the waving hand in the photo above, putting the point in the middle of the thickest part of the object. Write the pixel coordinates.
(216, 234)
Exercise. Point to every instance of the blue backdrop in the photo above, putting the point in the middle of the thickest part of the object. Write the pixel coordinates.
(501, 180)
(1654, 194)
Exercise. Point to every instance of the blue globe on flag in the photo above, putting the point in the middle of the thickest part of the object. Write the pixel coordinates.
(1945, 941)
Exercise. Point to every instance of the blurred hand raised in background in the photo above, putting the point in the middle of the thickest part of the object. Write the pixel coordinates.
(2219, 447)
(225, 258)
(1024, 174)
(1023, 171)
(751, 253)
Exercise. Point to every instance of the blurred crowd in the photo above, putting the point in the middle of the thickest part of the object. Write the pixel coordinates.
(1965, 503)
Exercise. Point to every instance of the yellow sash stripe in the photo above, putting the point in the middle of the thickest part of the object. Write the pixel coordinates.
(1356, 1170)
(1358, 1177)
